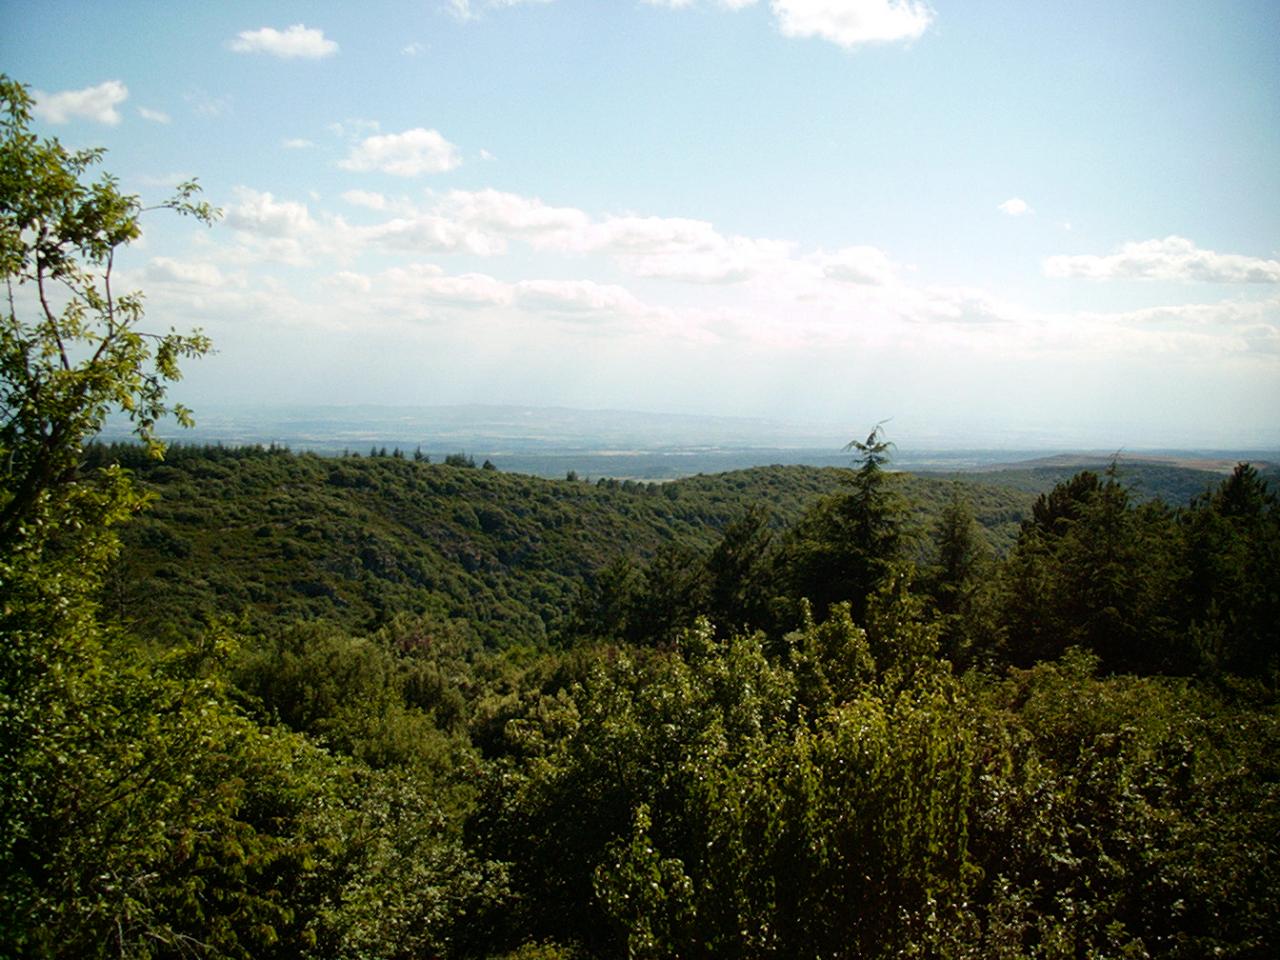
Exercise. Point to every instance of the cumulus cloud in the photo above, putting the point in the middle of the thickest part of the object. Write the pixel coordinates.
(285, 231)
(155, 116)
(1014, 207)
(1226, 313)
(1173, 258)
(424, 292)
(506, 216)
(416, 231)
(169, 270)
(92, 103)
(1262, 339)
(848, 23)
(206, 105)
(851, 23)
(296, 42)
(353, 127)
(429, 283)
(861, 264)
(260, 212)
(366, 198)
(673, 248)
(487, 222)
(470, 9)
(408, 154)
(579, 297)
(1228, 327)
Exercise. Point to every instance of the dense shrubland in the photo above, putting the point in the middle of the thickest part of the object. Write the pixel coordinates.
(376, 707)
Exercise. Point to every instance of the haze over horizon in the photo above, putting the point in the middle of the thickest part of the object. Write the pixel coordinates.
(982, 219)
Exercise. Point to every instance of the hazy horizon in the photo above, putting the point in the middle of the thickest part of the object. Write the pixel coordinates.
(993, 222)
(520, 432)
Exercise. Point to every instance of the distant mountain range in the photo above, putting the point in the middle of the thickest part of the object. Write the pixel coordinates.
(549, 441)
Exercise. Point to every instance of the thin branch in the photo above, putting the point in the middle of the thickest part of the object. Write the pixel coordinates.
(111, 311)
(44, 303)
(106, 281)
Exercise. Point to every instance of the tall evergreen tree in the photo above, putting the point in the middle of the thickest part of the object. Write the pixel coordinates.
(845, 547)
(1232, 587)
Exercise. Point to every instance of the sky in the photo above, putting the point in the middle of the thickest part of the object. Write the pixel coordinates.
(993, 222)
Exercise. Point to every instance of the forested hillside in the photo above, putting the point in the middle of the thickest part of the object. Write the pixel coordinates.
(355, 540)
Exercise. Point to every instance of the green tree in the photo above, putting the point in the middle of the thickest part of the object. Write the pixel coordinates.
(957, 577)
(1093, 569)
(843, 548)
(737, 571)
(1232, 585)
(77, 349)
(141, 813)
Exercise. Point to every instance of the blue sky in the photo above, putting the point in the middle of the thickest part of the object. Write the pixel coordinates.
(991, 221)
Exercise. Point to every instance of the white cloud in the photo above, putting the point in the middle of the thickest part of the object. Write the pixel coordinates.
(166, 269)
(1015, 207)
(672, 248)
(428, 283)
(506, 216)
(1173, 258)
(425, 292)
(155, 116)
(579, 297)
(92, 103)
(1226, 313)
(964, 305)
(261, 213)
(850, 23)
(415, 231)
(353, 127)
(407, 154)
(469, 9)
(297, 143)
(296, 42)
(861, 264)
(285, 231)
(1247, 328)
(207, 105)
(675, 248)
(412, 49)
(366, 198)
(1262, 339)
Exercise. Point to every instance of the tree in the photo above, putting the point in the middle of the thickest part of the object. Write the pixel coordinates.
(736, 571)
(846, 546)
(1091, 569)
(77, 350)
(141, 813)
(1232, 585)
(671, 595)
(955, 579)
(71, 350)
